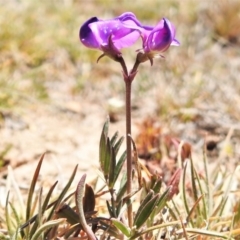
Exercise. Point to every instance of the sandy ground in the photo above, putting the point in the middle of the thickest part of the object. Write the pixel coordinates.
(69, 135)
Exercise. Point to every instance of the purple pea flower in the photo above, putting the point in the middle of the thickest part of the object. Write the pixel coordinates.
(160, 37)
(110, 36)
(157, 39)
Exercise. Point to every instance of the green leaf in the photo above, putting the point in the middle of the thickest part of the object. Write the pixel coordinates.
(137, 165)
(32, 188)
(106, 127)
(105, 155)
(161, 203)
(89, 199)
(112, 168)
(38, 221)
(157, 185)
(108, 150)
(163, 200)
(104, 148)
(118, 145)
(236, 219)
(63, 193)
(110, 210)
(110, 229)
(219, 208)
(45, 227)
(147, 198)
(8, 217)
(47, 198)
(79, 204)
(138, 234)
(183, 189)
(72, 229)
(194, 186)
(114, 138)
(65, 211)
(44, 207)
(145, 212)
(204, 233)
(122, 188)
(193, 209)
(205, 212)
(121, 227)
(119, 166)
(15, 216)
(119, 207)
(209, 192)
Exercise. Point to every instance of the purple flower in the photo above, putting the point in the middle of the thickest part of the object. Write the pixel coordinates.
(159, 38)
(156, 40)
(110, 36)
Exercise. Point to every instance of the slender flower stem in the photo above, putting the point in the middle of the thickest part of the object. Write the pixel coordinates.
(128, 84)
(128, 78)
(124, 68)
(135, 67)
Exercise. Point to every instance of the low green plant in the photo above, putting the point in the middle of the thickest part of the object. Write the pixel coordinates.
(201, 210)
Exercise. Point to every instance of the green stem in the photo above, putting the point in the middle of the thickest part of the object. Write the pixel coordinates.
(113, 203)
(128, 78)
(135, 67)
(128, 84)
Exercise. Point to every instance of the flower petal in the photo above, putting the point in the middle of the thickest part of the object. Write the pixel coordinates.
(103, 29)
(123, 31)
(161, 37)
(175, 42)
(86, 35)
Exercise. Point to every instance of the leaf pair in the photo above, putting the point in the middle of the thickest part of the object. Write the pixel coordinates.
(152, 203)
(108, 150)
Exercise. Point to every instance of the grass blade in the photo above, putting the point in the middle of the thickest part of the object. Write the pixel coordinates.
(47, 198)
(205, 207)
(79, 205)
(46, 226)
(15, 216)
(121, 227)
(193, 208)
(203, 232)
(209, 193)
(63, 193)
(8, 217)
(45, 206)
(183, 188)
(39, 216)
(32, 188)
(194, 186)
(155, 227)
